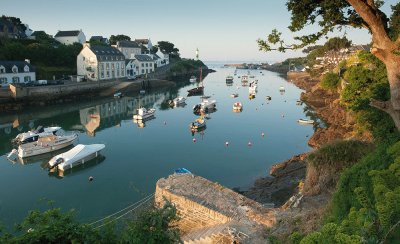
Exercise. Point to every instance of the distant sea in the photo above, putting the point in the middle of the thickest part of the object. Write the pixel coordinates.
(219, 64)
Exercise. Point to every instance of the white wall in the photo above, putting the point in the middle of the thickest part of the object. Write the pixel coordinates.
(21, 76)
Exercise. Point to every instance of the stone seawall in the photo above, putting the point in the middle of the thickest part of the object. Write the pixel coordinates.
(58, 91)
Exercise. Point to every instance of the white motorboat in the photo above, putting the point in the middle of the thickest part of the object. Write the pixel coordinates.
(281, 89)
(143, 113)
(45, 144)
(32, 136)
(233, 95)
(306, 121)
(237, 107)
(193, 79)
(76, 156)
(205, 106)
(178, 101)
(245, 78)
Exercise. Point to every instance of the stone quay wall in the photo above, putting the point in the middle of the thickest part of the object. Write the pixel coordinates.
(192, 215)
(54, 91)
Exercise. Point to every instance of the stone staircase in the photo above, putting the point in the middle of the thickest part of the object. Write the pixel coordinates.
(209, 235)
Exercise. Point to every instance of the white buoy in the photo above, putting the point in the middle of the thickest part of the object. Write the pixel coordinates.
(194, 139)
(226, 143)
(91, 178)
(249, 144)
(262, 134)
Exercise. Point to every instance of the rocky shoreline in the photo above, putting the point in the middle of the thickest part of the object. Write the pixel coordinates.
(284, 177)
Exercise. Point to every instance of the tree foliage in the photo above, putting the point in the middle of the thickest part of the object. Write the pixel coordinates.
(115, 38)
(330, 81)
(168, 48)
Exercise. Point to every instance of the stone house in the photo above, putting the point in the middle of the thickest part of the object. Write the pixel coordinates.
(128, 48)
(70, 37)
(16, 72)
(98, 63)
(144, 64)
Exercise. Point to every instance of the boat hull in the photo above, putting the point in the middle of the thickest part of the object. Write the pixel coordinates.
(37, 149)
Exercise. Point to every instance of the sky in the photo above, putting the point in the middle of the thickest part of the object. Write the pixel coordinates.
(222, 30)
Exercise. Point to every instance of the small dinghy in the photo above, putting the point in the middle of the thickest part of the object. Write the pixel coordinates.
(233, 95)
(198, 124)
(76, 156)
(268, 98)
(282, 89)
(306, 121)
(182, 171)
(143, 113)
(192, 79)
(229, 79)
(177, 101)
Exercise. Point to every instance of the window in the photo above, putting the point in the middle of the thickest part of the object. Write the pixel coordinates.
(112, 66)
(122, 73)
(142, 71)
(117, 65)
(151, 70)
(151, 64)
(102, 74)
(27, 79)
(2, 70)
(26, 68)
(147, 65)
(3, 80)
(102, 67)
(142, 64)
(117, 72)
(108, 66)
(15, 79)
(15, 69)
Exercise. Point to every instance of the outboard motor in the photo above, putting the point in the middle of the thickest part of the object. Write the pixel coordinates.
(58, 161)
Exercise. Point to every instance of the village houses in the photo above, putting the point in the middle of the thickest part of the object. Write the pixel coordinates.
(128, 48)
(98, 63)
(16, 72)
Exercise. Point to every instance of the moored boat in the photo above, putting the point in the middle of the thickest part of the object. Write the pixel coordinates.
(193, 79)
(118, 95)
(233, 95)
(196, 91)
(268, 98)
(245, 78)
(205, 106)
(237, 107)
(281, 89)
(306, 121)
(76, 156)
(182, 171)
(143, 113)
(229, 79)
(45, 144)
(178, 101)
(32, 136)
(198, 124)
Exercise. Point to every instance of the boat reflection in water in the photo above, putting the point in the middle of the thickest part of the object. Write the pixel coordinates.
(77, 170)
(141, 123)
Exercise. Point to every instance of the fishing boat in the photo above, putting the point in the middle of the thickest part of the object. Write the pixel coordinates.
(245, 78)
(76, 156)
(177, 101)
(193, 79)
(143, 113)
(252, 96)
(233, 95)
(196, 91)
(32, 136)
(252, 89)
(281, 89)
(229, 79)
(306, 121)
(45, 144)
(237, 107)
(198, 124)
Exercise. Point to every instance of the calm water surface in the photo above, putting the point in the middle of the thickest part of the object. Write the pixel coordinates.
(135, 158)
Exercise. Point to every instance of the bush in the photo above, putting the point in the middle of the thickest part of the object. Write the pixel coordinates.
(330, 81)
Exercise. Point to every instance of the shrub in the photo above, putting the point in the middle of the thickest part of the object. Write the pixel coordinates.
(330, 81)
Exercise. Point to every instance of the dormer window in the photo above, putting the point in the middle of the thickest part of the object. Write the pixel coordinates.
(14, 69)
(2, 70)
(26, 68)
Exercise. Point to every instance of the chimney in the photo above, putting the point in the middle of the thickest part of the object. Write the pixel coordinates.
(28, 61)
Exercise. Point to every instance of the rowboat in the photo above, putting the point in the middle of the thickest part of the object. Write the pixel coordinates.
(306, 121)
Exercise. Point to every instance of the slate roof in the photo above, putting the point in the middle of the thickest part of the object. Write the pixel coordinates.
(128, 60)
(155, 56)
(67, 33)
(143, 58)
(20, 64)
(131, 44)
(106, 53)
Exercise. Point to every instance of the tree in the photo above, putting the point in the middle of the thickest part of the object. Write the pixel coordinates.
(168, 48)
(154, 49)
(114, 39)
(336, 14)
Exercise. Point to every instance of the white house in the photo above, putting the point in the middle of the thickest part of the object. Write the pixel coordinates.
(160, 59)
(128, 48)
(144, 64)
(130, 68)
(145, 43)
(70, 37)
(16, 72)
(99, 63)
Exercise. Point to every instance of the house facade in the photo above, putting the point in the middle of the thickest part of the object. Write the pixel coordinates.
(70, 37)
(146, 44)
(160, 59)
(99, 63)
(16, 72)
(130, 68)
(129, 48)
(144, 64)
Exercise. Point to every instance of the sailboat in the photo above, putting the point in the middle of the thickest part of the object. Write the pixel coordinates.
(199, 89)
